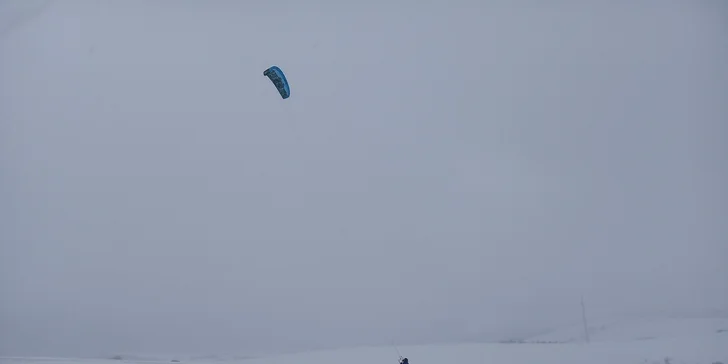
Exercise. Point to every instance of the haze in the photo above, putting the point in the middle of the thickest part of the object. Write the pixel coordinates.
(442, 171)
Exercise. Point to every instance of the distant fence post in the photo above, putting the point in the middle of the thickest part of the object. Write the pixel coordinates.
(583, 318)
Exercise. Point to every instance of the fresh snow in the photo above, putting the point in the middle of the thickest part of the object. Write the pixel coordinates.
(638, 329)
(675, 341)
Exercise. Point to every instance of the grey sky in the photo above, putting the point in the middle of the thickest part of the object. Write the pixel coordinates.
(439, 172)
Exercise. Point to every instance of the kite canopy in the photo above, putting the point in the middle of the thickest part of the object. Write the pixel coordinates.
(279, 80)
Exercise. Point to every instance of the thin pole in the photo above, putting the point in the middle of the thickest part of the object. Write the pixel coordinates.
(583, 318)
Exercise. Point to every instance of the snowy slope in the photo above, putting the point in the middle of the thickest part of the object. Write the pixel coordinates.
(678, 341)
(638, 329)
(685, 350)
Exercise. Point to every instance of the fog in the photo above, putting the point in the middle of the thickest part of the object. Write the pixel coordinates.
(442, 171)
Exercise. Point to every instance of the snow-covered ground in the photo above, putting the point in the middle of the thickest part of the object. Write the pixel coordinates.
(677, 341)
(639, 330)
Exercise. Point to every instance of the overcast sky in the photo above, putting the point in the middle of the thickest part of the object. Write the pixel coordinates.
(442, 170)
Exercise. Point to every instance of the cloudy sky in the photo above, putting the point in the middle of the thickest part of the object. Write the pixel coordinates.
(442, 171)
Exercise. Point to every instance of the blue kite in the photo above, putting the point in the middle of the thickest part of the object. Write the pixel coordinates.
(279, 80)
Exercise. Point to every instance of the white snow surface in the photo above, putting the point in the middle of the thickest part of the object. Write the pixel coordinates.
(647, 341)
(638, 330)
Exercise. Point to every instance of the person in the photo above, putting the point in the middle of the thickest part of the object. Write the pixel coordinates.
(404, 361)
